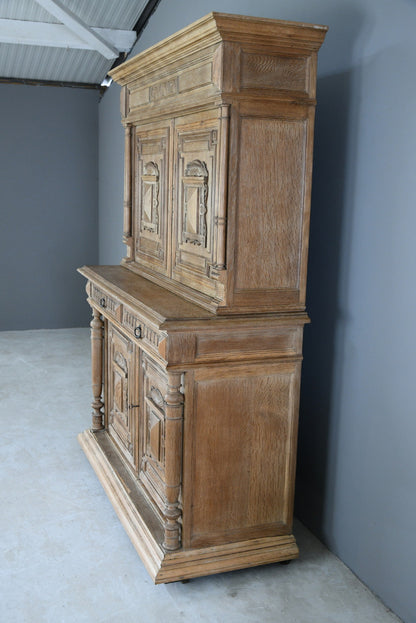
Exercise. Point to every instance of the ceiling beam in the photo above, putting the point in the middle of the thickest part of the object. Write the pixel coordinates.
(59, 36)
(77, 26)
(148, 9)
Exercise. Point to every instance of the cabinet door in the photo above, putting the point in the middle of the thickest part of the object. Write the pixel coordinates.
(196, 183)
(122, 395)
(151, 198)
(152, 430)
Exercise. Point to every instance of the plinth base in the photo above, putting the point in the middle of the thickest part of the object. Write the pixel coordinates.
(146, 533)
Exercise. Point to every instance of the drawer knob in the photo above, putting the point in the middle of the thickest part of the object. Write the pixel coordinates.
(102, 303)
(138, 331)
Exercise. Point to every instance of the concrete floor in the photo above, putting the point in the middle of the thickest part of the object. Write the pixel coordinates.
(66, 558)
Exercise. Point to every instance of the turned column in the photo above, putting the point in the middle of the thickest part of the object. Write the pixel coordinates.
(221, 218)
(173, 461)
(127, 226)
(97, 369)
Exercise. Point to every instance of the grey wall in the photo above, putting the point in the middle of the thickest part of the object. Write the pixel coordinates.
(49, 207)
(357, 466)
(111, 178)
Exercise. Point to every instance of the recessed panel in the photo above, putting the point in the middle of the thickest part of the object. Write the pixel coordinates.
(270, 206)
(195, 204)
(277, 72)
(121, 395)
(242, 443)
(150, 192)
(152, 433)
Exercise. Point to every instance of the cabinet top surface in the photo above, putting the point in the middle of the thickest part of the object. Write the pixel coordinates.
(215, 28)
(144, 294)
(168, 309)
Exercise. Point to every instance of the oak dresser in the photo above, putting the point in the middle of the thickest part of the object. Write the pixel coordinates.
(197, 334)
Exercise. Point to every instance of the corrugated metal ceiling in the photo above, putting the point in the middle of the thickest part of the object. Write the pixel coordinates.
(63, 64)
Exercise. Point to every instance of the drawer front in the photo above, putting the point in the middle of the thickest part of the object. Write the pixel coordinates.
(152, 433)
(107, 303)
(132, 322)
(136, 326)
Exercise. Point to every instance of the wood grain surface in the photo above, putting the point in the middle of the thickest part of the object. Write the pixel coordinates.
(197, 335)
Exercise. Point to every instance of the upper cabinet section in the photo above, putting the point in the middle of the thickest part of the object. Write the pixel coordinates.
(220, 54)
(219, 135)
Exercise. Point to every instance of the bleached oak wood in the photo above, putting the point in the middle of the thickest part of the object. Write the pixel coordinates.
(173, 460)
(127, 233)
(182, 564)
(235, 99)
(97, 369)
(204, 318)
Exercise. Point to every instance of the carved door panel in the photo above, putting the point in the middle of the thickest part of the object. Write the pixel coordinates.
(151, 198)
(152, 430)
(122, 396)
(196, 172)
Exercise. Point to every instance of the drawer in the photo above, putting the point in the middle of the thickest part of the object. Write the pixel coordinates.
(107, 304)
(136, 326)
(131, 321)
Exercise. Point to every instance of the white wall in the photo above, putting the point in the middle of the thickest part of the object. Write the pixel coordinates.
(357, 465)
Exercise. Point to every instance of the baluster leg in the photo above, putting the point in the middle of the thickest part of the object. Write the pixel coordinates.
(97, 370)
(173, 461)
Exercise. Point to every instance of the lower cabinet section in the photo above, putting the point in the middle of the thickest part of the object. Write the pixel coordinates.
(143, 410)
(198, 458)
(146, 532)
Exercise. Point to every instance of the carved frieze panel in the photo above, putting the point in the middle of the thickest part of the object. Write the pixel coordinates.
(163, 89)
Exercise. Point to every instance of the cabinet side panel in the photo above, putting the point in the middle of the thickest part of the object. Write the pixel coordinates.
(244, 435)
(270, 203)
